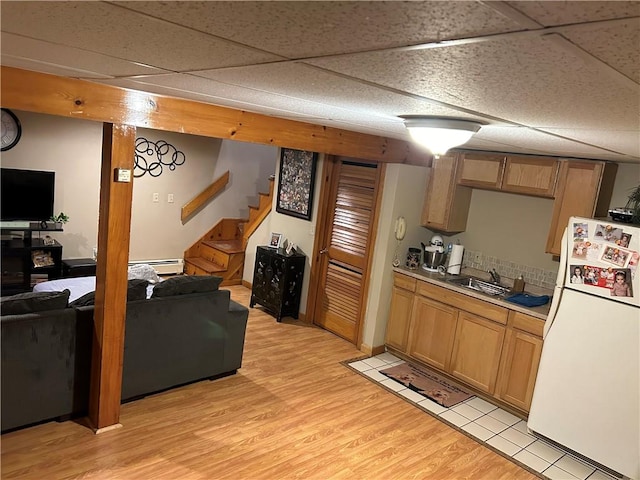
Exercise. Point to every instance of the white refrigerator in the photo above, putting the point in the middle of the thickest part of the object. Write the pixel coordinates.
(587, 392)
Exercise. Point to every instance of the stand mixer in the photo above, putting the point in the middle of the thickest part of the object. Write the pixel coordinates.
(434, 254)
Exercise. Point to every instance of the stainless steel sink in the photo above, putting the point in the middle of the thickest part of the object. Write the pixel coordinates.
(480, 285)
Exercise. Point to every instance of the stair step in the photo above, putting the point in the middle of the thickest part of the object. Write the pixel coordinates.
(205, 265)
(226, 246)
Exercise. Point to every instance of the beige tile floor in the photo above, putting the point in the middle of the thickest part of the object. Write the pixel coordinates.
(489, 425)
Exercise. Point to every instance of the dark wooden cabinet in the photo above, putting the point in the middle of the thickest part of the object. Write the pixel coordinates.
(277, 281)
(24, 257)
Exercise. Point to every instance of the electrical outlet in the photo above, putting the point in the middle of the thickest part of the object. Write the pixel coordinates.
(95, 253)
(170, 198)
(156, 197)
(477, 258)
(312, 230)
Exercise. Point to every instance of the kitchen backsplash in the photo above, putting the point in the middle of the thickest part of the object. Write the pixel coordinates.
(509, 270)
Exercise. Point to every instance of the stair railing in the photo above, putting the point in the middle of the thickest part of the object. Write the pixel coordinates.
(204, 196)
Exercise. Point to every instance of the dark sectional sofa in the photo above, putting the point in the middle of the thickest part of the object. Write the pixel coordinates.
(188, 330)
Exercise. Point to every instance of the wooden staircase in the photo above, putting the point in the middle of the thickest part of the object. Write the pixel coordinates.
(220, 251)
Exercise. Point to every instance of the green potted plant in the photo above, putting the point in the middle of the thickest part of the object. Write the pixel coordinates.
(59, 220)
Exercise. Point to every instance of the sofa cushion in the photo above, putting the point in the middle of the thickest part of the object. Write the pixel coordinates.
(185, 284)
(30, 302)
(136, 290)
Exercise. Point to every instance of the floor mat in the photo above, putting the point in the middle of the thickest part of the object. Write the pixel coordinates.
(427, 384)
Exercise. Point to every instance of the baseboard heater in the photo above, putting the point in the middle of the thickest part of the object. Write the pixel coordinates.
(167, 266)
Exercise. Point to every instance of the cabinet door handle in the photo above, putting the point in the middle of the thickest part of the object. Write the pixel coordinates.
(323, 251)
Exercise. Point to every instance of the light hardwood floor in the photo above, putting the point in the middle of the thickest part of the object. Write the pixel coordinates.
(291, 411)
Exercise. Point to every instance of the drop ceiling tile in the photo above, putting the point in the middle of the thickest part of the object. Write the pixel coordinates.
(562, 13)
(621, 50)
(27, 64)
(114, 31)
(524, 80)
(307, 83)
(303, 29)
(522, 139)
(51, 58)
(626, 142)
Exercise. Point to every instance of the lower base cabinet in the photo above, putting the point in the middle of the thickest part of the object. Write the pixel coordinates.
(497, 355)
(476, 351)
(400, 312)
(433, 327)
(520, 360)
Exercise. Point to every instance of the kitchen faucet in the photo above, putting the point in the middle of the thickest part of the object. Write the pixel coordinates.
(495, 276)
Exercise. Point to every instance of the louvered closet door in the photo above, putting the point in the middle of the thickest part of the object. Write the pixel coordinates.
(345, 259)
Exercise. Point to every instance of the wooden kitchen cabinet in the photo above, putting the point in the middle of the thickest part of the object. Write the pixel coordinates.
(433, 326)
(476, 351)
(446, 205)
(520, 359)
(519, 368)
(530, 175)
(584, 189)
(486, 346)
(480, 170)
(400, 311)
(513, 173)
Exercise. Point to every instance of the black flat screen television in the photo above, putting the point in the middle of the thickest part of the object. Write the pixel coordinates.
(26, 194)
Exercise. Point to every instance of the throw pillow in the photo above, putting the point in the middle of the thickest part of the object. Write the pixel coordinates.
(185, 284)
(86, 300)
(31, 302)
(136, 290)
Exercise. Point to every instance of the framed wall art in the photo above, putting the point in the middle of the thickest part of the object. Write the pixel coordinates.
(296, 181)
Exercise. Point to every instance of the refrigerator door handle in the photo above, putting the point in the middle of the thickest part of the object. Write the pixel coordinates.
(557, 291)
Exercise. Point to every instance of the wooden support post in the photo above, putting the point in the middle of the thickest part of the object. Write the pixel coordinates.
(118, 145)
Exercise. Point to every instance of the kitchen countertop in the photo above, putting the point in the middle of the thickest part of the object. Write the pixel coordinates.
(439, 279)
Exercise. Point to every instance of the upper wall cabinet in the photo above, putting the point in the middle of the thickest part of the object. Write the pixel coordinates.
(584, 190)
(580, 188)
(446, 204)
(481, 170)
(530, 175)
(512, 173)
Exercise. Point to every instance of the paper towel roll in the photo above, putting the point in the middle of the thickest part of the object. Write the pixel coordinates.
(455, 259)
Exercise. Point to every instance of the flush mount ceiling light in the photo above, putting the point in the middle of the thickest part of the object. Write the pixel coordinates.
(439, 134)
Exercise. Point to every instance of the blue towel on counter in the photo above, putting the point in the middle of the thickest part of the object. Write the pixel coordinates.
(527, 300)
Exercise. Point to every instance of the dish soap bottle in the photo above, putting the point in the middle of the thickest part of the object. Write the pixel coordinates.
(518, 284)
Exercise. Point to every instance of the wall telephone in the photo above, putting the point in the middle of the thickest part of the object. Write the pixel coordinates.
(400, 228)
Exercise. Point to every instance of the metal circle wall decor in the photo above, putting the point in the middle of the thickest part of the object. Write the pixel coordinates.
(157, 154)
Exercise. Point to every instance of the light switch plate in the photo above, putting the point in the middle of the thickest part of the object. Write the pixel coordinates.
(122, 175)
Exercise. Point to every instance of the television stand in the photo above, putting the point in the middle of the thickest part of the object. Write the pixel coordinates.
(26, 259)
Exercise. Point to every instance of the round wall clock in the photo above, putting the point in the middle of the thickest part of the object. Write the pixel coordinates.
(11, 129)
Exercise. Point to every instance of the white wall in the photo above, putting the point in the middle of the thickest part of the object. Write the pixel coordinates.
(403, 195)
(507, 226)
(293, 229)
(206, 160)
(627, 178)
(73, 149)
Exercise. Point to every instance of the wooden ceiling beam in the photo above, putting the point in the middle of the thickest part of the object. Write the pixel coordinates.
(68, 97)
